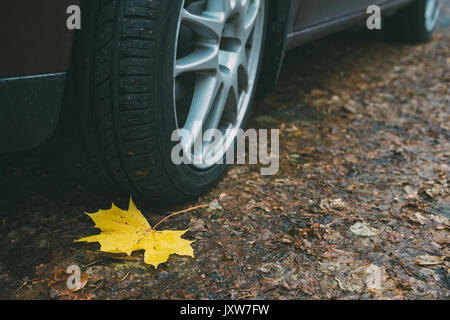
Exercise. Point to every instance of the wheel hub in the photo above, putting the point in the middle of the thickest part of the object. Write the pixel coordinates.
(219, 45)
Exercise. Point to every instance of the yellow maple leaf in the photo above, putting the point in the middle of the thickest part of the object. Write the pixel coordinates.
(127, 231)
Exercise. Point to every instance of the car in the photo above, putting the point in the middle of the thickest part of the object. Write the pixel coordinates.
(138, 70)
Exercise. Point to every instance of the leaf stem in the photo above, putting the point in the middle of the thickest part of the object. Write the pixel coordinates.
(180, 212)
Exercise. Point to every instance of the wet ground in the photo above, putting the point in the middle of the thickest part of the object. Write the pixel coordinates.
(358, 210)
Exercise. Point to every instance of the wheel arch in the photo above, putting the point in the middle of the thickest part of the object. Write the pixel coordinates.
(280, 14)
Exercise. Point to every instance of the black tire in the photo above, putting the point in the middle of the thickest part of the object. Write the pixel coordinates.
(409, 24)
(122, 84)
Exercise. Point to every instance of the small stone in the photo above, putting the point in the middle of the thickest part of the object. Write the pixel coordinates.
(336, 101)
(215, 205)
(41, 244)
(337, 203)
(350, 107)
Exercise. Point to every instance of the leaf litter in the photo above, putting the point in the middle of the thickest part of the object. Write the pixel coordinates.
(364, 141)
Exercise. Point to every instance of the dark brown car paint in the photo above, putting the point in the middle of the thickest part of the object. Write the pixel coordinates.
(35, 39)
(314, 12)
(312, 23)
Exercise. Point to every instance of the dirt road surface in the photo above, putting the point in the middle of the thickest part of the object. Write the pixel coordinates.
(358, 210)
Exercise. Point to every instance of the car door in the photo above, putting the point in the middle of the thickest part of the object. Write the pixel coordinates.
(316, 12)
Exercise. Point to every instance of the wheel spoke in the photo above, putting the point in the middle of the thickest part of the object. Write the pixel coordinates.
(250, 23)
(204, 57)
(247, 12)
(232, 62)
(206, 89)
(228, 7)
(207, 22)
(242, 7)
(229, 60)
(219, 106)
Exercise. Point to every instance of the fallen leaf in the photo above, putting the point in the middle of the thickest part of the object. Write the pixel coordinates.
(411, 194)
(337, 204)
(215, 205)
(349, 285)
(318, 93)
(440, 219)
(419, 218)
(395, 237)
(351, 158)
(374, 279)
(127, 231)
(197, 225)
(363, 229)
(428, 260)
(61, 275)
(266, 268)
(60, 279)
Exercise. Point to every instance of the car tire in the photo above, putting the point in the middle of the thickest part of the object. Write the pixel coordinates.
(414, 23)
(127, 66)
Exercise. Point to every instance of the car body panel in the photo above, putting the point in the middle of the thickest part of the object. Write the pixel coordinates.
(29, 110)
(307, 29)
(34, 58)
(35, 38)
(314, 12)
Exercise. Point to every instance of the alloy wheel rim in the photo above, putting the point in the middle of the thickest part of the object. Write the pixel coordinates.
(219, 44)
(432, 10)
